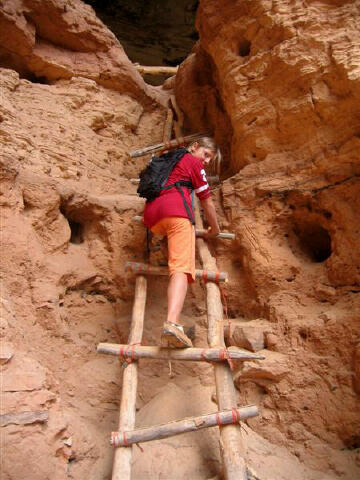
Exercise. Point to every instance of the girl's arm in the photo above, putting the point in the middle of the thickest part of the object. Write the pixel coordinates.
(210, 214)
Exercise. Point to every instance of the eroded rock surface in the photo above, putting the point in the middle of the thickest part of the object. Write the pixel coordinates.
(67, 230)
(278, 83)
(59, 39)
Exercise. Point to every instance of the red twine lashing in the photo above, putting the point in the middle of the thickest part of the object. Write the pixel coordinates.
(218, 420)
(125, 442)
(224, 355)
(128, 356)
(235, 415)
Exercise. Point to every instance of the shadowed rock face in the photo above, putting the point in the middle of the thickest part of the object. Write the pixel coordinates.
(155, 32)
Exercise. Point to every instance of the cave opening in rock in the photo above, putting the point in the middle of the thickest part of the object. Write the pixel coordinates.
(314, 241)
(152, 32)
(34, 79)
(76, 228)
(77, 232)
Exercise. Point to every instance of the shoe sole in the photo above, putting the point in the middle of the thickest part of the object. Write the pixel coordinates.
(171, 338)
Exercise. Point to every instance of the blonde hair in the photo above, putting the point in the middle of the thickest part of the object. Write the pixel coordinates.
(209, 142)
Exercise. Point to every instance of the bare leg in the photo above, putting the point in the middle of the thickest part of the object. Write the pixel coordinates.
(176, 295)
(173, 335)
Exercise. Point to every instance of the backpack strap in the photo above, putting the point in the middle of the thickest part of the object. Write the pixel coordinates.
(188, 211)
(177, 185)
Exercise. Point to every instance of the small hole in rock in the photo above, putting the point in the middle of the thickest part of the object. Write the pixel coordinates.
(27, 205)
(244, 48)
(303, 334)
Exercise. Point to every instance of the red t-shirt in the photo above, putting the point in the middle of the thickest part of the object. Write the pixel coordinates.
(170, 203)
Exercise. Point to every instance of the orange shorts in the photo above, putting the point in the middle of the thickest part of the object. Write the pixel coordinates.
(181, 244)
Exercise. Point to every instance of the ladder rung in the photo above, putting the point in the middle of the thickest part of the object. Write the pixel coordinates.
(133, 352)
(198, 232)
(144, 269)
(156, 70)
(211, 180)
(166, 146)
(156, 432)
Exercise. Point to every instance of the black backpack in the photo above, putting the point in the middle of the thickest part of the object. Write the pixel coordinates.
(155, 175)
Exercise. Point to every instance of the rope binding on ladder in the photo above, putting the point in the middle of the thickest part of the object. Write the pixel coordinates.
(127, 353)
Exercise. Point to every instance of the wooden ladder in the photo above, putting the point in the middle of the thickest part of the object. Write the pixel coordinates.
(228, 416)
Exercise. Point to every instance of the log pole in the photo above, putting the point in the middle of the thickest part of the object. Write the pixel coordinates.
(144, 269)
(223, 235)
(198, 232)
(122, 458)
(157, 70)
(168, 125)
(166, 145)
(212, 180)
(231, 445)
(157, 432)
(134, 352)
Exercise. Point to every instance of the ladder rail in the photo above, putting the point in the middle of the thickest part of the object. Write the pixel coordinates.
(123, 455)
(231, 445)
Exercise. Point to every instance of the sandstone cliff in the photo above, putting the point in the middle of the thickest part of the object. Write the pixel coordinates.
(279, 83)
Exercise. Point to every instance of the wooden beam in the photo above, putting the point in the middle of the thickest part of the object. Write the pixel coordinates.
(223, 235)
(168, 125)
(157, 432)
(177, 142)
(212, 180)
(157, 70)
(178, 117)
(123, 456)
(144, 269)
(198, 233)
(133, 352)
(231, 446)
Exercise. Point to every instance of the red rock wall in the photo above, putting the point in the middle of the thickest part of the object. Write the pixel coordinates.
(56, 39)
(278, 83)
(66, 220)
